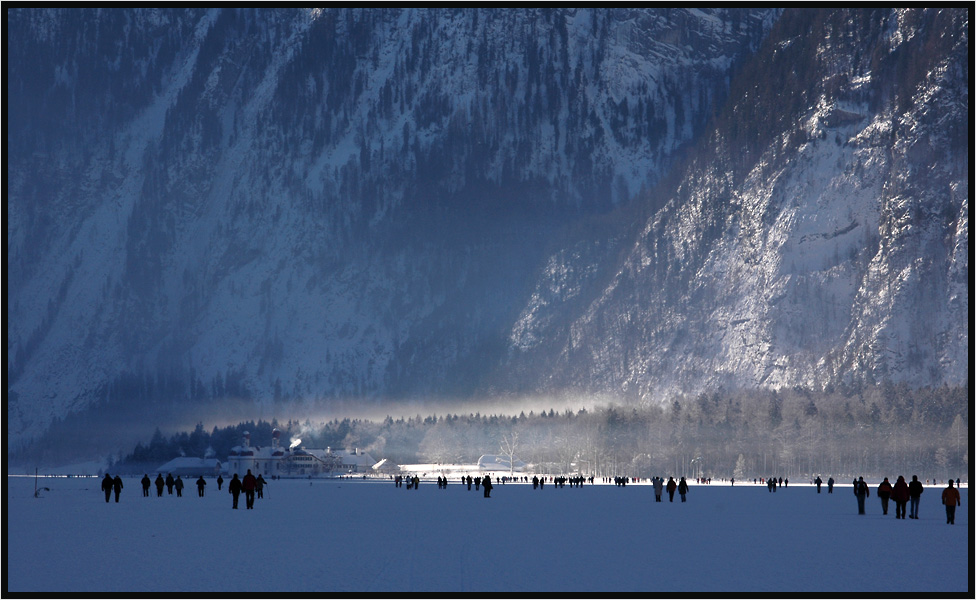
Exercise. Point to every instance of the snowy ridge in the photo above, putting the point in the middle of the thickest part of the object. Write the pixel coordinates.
(298, 208)
(829, 261)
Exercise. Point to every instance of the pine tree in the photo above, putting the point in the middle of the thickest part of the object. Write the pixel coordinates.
(740, 468)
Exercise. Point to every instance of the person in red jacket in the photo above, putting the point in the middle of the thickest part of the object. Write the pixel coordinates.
(950, 497)
(884, 492)
(249, 484)
(899, 493)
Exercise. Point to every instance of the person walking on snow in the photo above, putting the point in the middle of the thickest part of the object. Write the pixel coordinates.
(862, 491)
(117, 487)
(899, 493)
(658, 488)
(234, 489)
(249, 484)
(915, 490)
(950, 497)
(107, 486)
(884, 492)
(683, 489)
(671, 487)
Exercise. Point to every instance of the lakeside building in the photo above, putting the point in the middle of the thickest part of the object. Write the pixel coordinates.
(296, 460)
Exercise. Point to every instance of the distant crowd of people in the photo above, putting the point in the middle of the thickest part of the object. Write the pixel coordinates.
(905, 495)
(252, 487)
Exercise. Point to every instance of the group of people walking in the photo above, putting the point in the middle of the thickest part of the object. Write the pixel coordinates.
(830, 484)
(110, 484)
(171, 483)
(483, 483)
(905, 494)
(250, 485)
(412, 482)
(671, 487)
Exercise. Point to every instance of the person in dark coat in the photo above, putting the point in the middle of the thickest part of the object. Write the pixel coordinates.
(179, 486)
(914, 494)
(117, 487)
(861, 491)
(249, 484)
(671, 487)
(201, 484)
(683, 488)
(145, 485)
(159, 485)
(884, 492)
(220, 481)
(234, 489)
(170, 482)
(107, 484)
(819, 482)
(259, 485)
(486, 484)
(899, 493)
(830, 485)
(951, 499)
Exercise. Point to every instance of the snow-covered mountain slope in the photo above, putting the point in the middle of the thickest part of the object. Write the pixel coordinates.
(819, 236)
(315, 206)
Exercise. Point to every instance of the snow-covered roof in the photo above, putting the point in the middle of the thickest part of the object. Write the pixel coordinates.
(257, 451)
(355, 457)
(495, 462)
(385, 465)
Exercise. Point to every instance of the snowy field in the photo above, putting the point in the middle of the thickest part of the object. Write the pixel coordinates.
(354, 536)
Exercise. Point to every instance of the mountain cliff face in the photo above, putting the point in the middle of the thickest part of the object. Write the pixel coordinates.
(818, 236)
(322, 206)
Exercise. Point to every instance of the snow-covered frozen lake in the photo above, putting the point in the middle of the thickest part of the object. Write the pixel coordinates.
(354, 536)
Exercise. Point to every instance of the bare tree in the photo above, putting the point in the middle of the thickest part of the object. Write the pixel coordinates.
(508, 447)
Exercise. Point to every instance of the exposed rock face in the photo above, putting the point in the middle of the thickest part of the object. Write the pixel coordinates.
(348, 205)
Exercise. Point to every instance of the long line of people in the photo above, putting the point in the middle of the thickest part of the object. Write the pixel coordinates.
(904, 494)
(251, 486)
